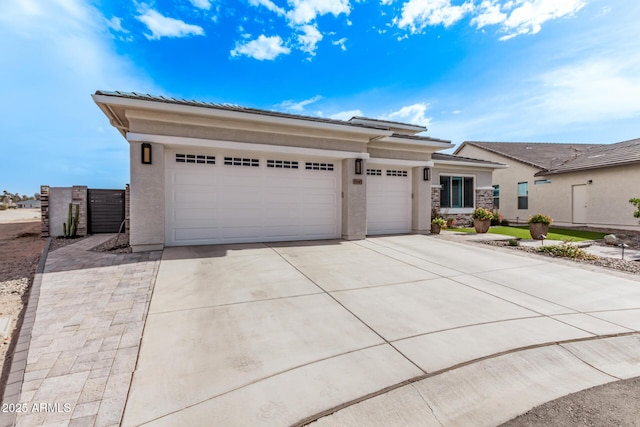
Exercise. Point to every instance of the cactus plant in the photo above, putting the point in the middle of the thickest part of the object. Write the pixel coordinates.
(70, 228)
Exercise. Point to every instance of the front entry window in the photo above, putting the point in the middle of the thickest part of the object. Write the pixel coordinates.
(456, 191)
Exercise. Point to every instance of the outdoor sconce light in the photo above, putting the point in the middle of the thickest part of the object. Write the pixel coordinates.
(590, 181)
(146, 154)
(358, 166)
(426, 174)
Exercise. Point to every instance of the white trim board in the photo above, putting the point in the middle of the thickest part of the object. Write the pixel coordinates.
(181, 141)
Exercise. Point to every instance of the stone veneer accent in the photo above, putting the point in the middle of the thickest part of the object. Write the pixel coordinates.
(484, 199)
(79, 197)
(44, 210)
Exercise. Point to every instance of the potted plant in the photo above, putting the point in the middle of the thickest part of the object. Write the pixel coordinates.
(482, 219)
(437, 224)
(539, 226)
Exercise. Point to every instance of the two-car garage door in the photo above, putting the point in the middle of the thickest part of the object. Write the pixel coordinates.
(233, 197)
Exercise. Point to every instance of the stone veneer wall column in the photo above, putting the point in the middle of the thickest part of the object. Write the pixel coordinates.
(79, 197)
(127, 204)
(435, 197)
(44, 210)
(484, 198)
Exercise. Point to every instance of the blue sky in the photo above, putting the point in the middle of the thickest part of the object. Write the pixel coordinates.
(498, 70)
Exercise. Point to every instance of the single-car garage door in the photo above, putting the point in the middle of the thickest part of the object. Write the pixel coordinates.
(233, 197)
(388, 200)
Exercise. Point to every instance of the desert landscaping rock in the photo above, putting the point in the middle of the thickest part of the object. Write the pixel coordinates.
(611, 239)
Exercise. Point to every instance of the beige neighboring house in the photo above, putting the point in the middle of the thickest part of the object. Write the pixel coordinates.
(575, 184)
(205, 173)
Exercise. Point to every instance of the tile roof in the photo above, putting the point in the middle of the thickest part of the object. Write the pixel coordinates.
(542, 155)
(600, 156)
(454, 158)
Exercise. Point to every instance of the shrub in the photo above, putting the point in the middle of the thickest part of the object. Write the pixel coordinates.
(636, 202)
(514, 242)
(541, 219)
(482, 214)
(439, 221)
(504, 223)
(566, 250)
(3, 207)
(451, 222)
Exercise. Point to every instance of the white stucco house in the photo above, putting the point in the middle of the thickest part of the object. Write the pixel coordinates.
(205, 173)
(575, 184)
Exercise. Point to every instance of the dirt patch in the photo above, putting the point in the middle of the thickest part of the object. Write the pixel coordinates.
(614, 404)
(20, 250)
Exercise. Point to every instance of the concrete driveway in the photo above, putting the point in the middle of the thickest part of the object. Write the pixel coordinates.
(278, 334)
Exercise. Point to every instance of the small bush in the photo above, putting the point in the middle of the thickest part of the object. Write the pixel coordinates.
(439, 221)
(514, 242)
(3, 207)
(482, 214)
(636, 202)
(504, 223)
(539, 218)
(566, 250)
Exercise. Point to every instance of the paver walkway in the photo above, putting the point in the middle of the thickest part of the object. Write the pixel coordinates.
(79, 342)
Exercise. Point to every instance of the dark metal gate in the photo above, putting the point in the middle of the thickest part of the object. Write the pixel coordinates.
(106, 210)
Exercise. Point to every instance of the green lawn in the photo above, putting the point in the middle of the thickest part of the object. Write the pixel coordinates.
(554, 233)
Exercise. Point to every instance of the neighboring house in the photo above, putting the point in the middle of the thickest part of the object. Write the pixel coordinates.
(461, 184)
(28, 204)
(206, 173)
(576, 184)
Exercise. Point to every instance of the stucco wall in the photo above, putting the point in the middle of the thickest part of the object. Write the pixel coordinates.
(508, 180)
(59, 199)
(607, 196)
(147, 194)
(354, 201)
(258, 134)
(420, 202)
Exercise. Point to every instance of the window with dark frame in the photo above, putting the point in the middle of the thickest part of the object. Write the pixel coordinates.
(496, 197)
(523, 195)
(456, 192)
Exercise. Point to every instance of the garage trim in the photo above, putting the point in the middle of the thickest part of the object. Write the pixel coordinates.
(243, 146)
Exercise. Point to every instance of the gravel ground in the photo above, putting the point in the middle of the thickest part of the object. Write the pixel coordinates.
(612, 263)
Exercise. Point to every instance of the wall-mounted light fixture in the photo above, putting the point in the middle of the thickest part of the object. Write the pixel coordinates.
(590, 181)
(358, 166)
(426, 174)
(146, 153)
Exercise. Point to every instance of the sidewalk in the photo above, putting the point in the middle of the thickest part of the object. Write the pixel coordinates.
(80, 338)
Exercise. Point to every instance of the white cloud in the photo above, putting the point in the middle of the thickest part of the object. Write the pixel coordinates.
(61, 52)
(418, 14)
(414, 114)
(490, 14)
(162, 26)
(201, 4)
(346, 115)
(262, 48)
(309, 39)
(115, 24)
(305, 11)
(298, 106)
(269, 5)
(340, 43)
(593, 89)
(528, 16)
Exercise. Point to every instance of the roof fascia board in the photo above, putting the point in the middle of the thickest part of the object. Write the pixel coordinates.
(180, 141)
(391, 125)
(469, 164)
(422, 142)
(237, 115)
(398, 162)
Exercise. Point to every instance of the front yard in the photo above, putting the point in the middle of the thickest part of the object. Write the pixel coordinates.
(554, 233)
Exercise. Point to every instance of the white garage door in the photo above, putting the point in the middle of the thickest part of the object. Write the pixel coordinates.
(232, 197)
(388, 200)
